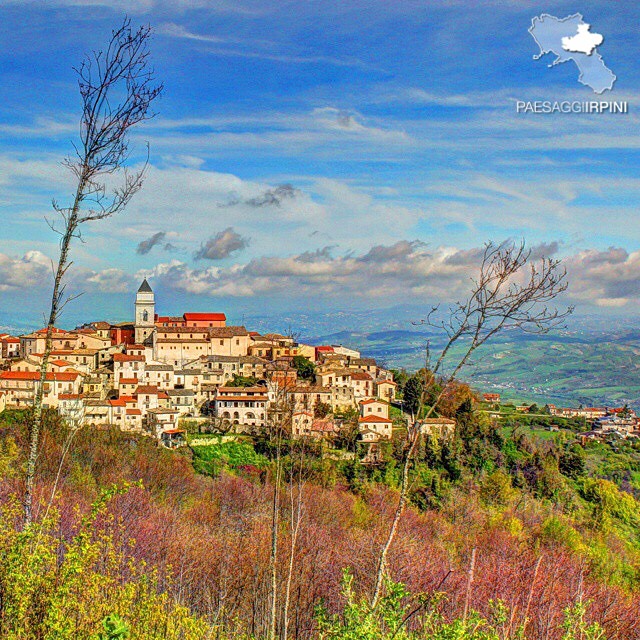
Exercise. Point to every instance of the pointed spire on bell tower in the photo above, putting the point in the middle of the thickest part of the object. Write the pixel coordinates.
(145, 309)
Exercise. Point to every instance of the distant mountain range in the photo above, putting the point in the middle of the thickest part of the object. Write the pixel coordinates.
(595, 361)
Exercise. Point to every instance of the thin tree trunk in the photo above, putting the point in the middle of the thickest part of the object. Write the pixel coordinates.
(402, 501)
(530, 595)
(58, 289)
(470, 575)
(292, 549)
(103, 151)
(413, 438)
(273, 614)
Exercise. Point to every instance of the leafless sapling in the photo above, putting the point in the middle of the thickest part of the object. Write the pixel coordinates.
(117, 88)
(511, 291)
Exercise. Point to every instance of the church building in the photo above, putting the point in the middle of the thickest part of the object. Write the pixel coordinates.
(145, 313)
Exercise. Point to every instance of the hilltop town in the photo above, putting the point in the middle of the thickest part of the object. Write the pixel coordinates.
(147, 375)
(152, 374)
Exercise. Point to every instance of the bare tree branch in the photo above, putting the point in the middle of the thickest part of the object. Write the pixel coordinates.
(117, 88)
(510, 292)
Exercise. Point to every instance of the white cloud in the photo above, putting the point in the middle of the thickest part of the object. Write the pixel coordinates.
(106, 281)
(34, 272)
(404, 268)
(31, 271)
(383, 273)
(609, 278)
(398, 272)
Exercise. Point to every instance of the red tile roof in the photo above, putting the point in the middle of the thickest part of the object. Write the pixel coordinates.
(122, 401)
(148, 389)
(205, 317)
(55, 330)
(124, 357)
(364, 419)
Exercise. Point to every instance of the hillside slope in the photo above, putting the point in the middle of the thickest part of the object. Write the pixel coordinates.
(207, 539)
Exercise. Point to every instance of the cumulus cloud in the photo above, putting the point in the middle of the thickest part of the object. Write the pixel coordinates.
(398, 269)
(269, 198)
(146, 245)
(544, 250)
(609, 278)
(106, 281)
(389, 253)
(33, 271)
(222, 245)
(407, 269)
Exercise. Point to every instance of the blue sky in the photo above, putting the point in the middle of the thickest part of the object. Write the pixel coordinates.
(324, 154)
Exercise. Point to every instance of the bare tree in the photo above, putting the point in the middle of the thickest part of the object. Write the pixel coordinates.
(512, 291)
(273, 557)
(117, 88)
(296, 508)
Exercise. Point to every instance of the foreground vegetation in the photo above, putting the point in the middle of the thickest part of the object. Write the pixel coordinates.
(137, 542)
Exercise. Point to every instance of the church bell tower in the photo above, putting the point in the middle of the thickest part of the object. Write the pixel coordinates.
(145, 313)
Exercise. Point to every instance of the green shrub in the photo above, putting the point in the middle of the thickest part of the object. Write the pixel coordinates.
(64, 590)
(212, 458)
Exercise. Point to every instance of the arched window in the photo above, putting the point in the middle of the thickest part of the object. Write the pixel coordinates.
(145, 316)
